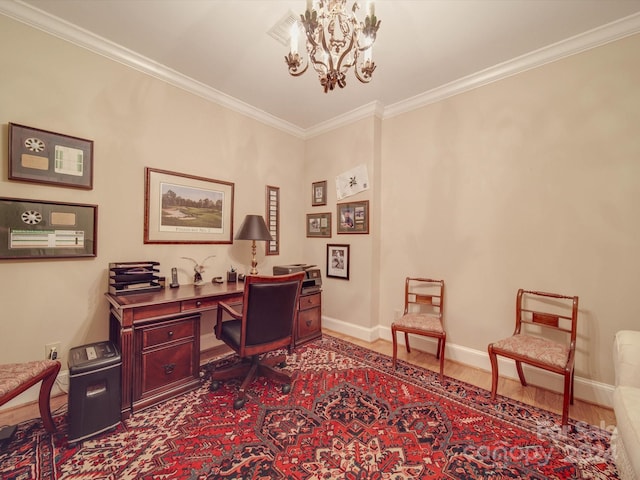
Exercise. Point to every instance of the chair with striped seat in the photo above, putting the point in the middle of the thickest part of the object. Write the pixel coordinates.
(16, 378)
(423, 315)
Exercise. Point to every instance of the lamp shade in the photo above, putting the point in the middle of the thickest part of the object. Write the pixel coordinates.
(253, 228)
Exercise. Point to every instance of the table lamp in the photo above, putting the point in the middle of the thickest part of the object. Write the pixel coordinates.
(253, 228)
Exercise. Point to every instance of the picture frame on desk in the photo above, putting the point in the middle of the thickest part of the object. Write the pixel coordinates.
(181, 208)
(41, 156)
(38, 229)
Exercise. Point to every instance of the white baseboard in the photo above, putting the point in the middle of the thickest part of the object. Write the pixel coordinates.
(585, 389)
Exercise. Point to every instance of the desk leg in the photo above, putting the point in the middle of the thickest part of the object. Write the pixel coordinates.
(123, 339)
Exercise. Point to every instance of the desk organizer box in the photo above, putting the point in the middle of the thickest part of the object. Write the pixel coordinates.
(133, 277)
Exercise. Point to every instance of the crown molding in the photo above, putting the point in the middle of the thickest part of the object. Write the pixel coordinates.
(372, 109)
(579, 43)
(66, 31)
(599, 36)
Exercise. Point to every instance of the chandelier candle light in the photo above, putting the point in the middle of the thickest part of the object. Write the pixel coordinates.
(336, 41)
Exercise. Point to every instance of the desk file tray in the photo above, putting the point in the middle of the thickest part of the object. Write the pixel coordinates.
(133, 277)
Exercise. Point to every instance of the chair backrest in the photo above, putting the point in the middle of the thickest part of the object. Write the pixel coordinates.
(551, 312)
(270, 304)
(424, 295)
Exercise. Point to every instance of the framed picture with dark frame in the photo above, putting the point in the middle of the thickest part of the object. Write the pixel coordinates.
(319, 225)
(40, 156)
(273, 220)
(338, 261)
(319, 193)
(37, 229)
(181, 208)
(353, 217)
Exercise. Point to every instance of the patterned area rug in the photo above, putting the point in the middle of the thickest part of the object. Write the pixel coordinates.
(349, 416)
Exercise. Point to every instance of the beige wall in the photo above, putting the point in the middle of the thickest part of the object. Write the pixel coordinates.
(327, 156)
(135, 121)
(531, 181)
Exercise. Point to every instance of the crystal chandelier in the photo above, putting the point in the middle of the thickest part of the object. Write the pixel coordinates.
(336, 41)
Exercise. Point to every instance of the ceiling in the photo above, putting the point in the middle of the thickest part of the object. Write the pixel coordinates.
(221, 49)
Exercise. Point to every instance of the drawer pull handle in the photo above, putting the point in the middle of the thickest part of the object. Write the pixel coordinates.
(169, 368)
(198, 304)
(308, 322)
(170, 333)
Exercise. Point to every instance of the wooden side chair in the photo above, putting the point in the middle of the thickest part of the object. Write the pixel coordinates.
(423, 315)
(15, 378)
(544, 337)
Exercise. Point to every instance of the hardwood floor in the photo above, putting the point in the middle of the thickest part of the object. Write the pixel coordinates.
(602, 417)
(597, 415)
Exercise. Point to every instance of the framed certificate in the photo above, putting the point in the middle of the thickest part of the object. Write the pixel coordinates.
(41, 156)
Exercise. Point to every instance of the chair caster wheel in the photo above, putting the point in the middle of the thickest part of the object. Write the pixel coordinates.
(239, 403)
(286, 388)
(215, 385)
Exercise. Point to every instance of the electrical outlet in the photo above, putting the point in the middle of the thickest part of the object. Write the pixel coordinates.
(52, 351)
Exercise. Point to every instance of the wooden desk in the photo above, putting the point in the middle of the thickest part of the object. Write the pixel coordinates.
(158, 335)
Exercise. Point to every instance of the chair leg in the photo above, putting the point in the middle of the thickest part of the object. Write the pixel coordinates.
(523, 381)
(441, 344)
(395, 345)
(242, 395)
(438, 348)
(238, 370)
(494, 372)
(568, 392)
(572, 385)
(45, 398)
(406, 342)
(266, 368)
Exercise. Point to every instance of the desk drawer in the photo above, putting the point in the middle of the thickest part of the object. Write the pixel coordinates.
(199, 304)
(167, 366)
(168, 332)
(309, 301)
(309, 323)
(158, 310)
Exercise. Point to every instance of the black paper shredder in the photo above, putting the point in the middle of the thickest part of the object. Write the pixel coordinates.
(94, 390)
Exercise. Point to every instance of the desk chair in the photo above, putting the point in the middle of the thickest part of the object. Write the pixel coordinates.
(544, 337)
(269, 307)
(423, 315)
(16, 378)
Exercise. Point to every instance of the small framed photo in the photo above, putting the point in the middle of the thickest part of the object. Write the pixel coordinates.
(39, 156)
(353, 217)
(319, 225)
(338, 261)
(319, 193)
(37, 229)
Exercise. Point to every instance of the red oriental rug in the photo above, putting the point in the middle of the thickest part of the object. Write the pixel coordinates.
(349, 416)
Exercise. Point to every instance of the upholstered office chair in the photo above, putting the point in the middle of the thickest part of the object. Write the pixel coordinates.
(270, 305)
(423, 315)
(544, 337)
